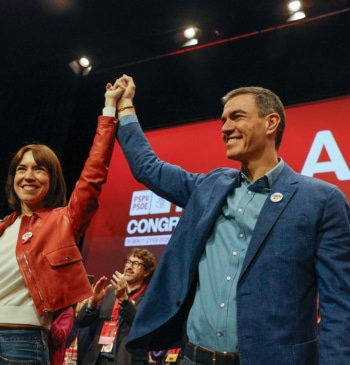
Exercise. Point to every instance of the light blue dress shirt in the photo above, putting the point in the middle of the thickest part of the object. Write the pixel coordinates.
(212, 320)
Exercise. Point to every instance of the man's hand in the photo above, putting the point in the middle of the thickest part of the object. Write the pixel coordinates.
(127, 97)
(100, 291)
(119, 283)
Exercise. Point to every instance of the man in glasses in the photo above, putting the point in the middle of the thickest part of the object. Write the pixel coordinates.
(112, 311)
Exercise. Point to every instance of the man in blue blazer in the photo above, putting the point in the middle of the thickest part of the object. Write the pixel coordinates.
(239, 280)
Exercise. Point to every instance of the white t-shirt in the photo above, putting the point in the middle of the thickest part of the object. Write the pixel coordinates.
(16, 304)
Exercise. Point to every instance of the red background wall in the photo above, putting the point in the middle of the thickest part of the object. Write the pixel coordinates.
(198, 148)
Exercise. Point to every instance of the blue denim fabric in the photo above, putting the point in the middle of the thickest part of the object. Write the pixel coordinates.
(23, 347)
(188, 361)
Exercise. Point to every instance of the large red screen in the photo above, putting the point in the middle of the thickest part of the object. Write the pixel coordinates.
(315, 143)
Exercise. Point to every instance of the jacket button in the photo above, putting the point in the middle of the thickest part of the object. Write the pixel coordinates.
(68, 258)
(177, 302)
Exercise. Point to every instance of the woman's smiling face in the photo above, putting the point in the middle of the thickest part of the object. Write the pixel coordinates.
(31, 183)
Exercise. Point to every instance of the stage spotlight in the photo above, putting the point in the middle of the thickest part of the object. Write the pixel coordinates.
(295, 11)
(190, 32)
(191, 35)
(296, 16)
(190, 42)
(294, 6)
(81, 66)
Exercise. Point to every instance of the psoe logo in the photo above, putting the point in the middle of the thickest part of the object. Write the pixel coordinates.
(150, 231)
(144, 202)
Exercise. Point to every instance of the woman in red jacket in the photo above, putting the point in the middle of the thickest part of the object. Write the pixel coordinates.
(41, 268)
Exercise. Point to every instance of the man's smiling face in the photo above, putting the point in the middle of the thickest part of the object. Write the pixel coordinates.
(243, 131)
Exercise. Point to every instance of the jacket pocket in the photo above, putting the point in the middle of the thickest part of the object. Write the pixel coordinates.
(306, 353)
(293, 243)
(64, 256)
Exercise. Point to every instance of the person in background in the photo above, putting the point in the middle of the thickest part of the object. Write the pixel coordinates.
(61, 326)
(239, 279)
(79, 339)
(41, 268)
(114, 315)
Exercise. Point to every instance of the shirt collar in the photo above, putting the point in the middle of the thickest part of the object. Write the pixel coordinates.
(266, 181)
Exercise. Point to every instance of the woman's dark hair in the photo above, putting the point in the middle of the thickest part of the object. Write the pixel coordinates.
(43, 156)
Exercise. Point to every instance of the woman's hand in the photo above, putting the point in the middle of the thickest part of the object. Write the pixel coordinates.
(113, 93)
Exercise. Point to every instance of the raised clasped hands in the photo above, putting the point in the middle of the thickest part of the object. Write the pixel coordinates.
(113, 93)
(121, 93)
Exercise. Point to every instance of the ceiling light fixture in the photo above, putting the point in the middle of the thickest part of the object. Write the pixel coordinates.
(191, 35)
(294, 6)
(81, 66)
(190, 32)
(295, 11)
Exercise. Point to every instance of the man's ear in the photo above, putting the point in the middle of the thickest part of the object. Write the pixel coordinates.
(273, 121)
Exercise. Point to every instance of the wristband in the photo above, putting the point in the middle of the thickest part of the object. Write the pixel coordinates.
(125, 107)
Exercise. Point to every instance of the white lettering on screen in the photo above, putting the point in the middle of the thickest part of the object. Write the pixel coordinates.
(163, 224)
(336, 163)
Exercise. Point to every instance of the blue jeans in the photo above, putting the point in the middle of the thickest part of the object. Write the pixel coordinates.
(187, 361)
(23, 347)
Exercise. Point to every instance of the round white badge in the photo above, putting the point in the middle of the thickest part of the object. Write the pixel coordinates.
(276, 197)
(27, 235)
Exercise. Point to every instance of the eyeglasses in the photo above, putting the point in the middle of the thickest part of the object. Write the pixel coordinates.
(134, 264)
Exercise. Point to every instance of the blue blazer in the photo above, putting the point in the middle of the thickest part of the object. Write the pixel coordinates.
(300, 246)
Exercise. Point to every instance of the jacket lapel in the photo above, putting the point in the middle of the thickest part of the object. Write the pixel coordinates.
(221, 189)
(271, 211)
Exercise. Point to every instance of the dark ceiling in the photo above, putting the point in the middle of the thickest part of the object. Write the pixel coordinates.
(244, 42)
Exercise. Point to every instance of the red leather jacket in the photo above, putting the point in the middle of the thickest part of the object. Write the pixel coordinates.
(50, 261)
